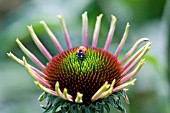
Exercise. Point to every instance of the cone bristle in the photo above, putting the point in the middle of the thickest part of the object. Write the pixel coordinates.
(84, 75)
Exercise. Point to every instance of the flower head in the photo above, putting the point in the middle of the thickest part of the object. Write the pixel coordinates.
(84, 76)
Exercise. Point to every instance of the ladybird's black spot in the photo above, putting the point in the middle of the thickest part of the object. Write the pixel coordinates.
(80, 54)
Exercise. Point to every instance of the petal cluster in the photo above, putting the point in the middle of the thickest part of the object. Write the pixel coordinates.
(83, 80)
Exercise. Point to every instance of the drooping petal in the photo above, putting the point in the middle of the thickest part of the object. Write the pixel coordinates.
(34, 75)
(67, 96)
(100, 91)
(133, 57)
(12, 56)
(52, 37)
(111, 32)
(133, 73)
(38, 43)
(96, 31)
(129, 66)
(58, 92)
(125, 85)
(66, 35)
(109, 91)
(122, 41)
(84, 29)
(45, 89)
(57, 89)
(29, 54)
(79, 98)
(133, 48)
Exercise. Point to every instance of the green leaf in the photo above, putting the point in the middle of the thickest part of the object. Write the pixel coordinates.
(57, 104)
(48, 108)
(63, 110)
(87, 110)
(107, 107)
(71, 109)
(42, 96)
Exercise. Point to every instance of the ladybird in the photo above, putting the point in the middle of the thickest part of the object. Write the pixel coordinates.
(81, 51)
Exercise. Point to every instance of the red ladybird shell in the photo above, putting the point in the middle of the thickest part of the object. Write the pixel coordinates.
(83, 50)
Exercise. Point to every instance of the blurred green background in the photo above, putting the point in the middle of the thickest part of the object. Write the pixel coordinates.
(148, 18)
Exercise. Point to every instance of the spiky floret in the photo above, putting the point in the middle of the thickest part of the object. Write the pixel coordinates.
(89, 83)
(85, 75)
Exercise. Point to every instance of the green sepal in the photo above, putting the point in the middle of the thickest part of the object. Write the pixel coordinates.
(57, 105)
(124, 95)
(42, 96)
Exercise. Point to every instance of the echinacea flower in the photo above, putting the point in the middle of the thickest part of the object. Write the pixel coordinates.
(84, 78)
